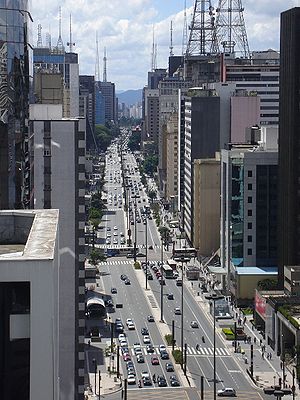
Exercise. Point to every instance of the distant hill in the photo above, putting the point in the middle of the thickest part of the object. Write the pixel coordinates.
(130, 96)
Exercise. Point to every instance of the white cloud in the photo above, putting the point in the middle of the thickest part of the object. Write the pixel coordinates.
(125, 28)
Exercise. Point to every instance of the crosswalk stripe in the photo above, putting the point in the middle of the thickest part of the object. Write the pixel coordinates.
(205, 350)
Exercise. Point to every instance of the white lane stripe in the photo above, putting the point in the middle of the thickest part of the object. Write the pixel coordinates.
(205, 350)
(194, 351)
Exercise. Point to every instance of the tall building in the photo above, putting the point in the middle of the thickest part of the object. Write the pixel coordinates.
(202, 140)
(59, 145)
(108, 91)
(154, 77)
(172, 159)
(289, 142)
(55, 60)
(151, 116)
(87, 106)
(249, 188)
(99, 107)
(29, 303)
(15, 83)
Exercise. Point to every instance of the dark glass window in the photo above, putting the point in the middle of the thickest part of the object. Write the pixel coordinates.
(249, 239)
(249, 213)
(249, 252)
(249, 186)
(249, 199)
(249, 225)
(250, 174)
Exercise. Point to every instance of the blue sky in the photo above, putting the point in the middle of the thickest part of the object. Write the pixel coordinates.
(125, 28)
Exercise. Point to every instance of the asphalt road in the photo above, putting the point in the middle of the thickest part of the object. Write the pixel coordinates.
(135, 306)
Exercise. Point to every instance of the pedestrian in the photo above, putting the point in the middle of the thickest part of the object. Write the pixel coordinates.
(254, 340)
(260, 342)
(245, 319)
(262, 354)
(281, 365)
(270, 356)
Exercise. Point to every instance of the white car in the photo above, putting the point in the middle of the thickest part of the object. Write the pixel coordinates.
(146, 339)
(131, 379)
(194, 324)
(115, 241)
(115, 228)
(129, 320)
(162, 347)
(122, 337)
(108, 241)
(228, 392)
(131, 326)
(145, 374)
(123, 343)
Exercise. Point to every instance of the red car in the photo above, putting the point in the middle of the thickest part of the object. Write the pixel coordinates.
(126, 357)
(154, 360)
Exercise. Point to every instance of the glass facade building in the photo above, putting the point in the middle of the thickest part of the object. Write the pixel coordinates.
(15, 89)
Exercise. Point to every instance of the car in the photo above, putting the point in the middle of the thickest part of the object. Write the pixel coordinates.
(113, 290)
(228, 392)
(118, 321)
(107, 241)
(126, 357)
(174, 381)
(154, 360)
(115, 233)
(170, 296)
(194, 324)
(119, 328)
(161, 381)
(109, 303)
(123, 343)
(150, 318)
(131, 326)
(141, 255)
(128, 321)
(164, 355)
(150, 348)
(108, 235)
(127, 282)
(129, 255)
(122, 336)
(169, 367)
(129, 364)
(144, 331)
(145, 374)
(150, 247)
(123, 277)
(146, 339)
(150, 277)
(140, 358)
(177, 311)
(162, 347)
(131, 380)
(115, 228)
(131, 371)
(108, 229)
(147, 381)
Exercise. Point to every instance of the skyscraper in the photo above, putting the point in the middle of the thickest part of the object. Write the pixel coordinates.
(15, 77)
(289, 142)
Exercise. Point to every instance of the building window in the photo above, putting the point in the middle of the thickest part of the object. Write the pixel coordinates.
(249, 252)
(249, 199)
(249, 174)
(249, 225)
(249, 186)
(249, 239)
(249, 213)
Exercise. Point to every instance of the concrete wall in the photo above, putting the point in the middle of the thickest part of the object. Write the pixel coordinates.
(206, 206)
(245, 112)
(15, 229)
(246, 285)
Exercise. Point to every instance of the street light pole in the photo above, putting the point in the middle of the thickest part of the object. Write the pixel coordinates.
(161, 282)
(146, 240)
(182, 260)
(213, 298)
(135, 228)
(95, 372)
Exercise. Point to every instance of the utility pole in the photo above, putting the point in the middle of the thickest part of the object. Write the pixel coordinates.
(146, 240)
(161, 281)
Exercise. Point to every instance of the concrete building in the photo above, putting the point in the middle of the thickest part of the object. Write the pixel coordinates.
(151, 116)
(108, 91)
(206, 206)
(202, 140)
(168, 104)
(154, 77)
(292, 280)
(87, 107)
(48, 88)
(172, 158)
(15, 84)
(54, 60)
(289, 148)
(30, 303)
(58, 145)
(99, 107)
(248, 208)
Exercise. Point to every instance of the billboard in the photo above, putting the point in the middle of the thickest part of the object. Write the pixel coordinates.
(260, 304)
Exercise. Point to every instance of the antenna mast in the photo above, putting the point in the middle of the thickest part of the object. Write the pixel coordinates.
(171, 40)
(97, 65)
(70, 43)
(104, 66)
(153, 51)
(201, 29)
(230, 29)
(185, 30)
(39, 41)
(60, 44)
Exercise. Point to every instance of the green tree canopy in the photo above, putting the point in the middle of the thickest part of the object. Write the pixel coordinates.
(96, 256)
(150, 164)
(134, 142)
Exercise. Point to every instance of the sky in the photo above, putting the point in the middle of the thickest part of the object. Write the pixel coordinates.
(125, 28)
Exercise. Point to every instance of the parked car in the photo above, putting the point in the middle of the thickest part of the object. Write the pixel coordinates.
(174, 381)
(144, 331)
(150, 318)
(169, 367)
(131, 380)
(177, 311)
(154, 360)
(140, 358)
(161, 381)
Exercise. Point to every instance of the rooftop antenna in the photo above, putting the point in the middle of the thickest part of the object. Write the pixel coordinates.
(171, 40)
(60, 44)
(104, 66)
(230, 29)
(97, 64)
(48, 40)
(201, 29)
(71, 43)
(153, 51)
(155, 56)
(185, 30)
(39, 41)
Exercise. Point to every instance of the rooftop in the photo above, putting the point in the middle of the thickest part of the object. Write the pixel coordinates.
(256, 270)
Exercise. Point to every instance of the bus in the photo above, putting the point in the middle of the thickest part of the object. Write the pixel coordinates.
(167, 271)
(172, 264)
(184, 254)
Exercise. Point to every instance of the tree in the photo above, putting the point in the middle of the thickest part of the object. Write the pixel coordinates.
(267, 284)
(150, 164)
(152, 195)
(134, 142)
(96, 256)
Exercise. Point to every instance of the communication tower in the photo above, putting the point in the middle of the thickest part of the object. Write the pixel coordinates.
(60, 44)
(39, 41)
